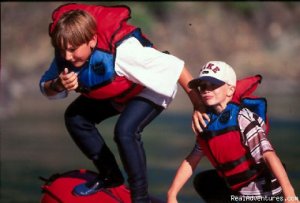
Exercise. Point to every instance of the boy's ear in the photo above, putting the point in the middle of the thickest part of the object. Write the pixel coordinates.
(231, 91)
(93, 42)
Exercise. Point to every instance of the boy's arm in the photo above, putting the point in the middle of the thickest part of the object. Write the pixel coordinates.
(65, 81)
(199, 109)
(275, 165)
(50, 84)
(183, 174)
(55, 84)
(53, 87)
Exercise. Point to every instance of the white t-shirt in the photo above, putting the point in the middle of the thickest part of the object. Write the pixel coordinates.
(157, 71)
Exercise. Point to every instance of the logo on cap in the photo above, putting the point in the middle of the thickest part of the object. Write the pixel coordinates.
(210, 66)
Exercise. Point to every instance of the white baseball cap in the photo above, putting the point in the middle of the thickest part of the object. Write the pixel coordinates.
(217, 72)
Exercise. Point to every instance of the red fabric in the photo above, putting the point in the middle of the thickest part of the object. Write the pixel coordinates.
(111, 22)
(114, 89)
(60, 190)
(245, 87)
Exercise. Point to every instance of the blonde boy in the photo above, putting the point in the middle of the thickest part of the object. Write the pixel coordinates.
(235, 142)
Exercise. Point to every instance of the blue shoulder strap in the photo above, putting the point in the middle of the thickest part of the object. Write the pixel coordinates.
(256, 105)
(225, 120)
(99, 71)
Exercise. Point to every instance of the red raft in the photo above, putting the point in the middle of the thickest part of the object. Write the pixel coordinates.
(58, 189)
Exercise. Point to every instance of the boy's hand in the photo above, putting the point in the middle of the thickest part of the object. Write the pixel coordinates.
(69, 79)
(199, 116)
(198, 120)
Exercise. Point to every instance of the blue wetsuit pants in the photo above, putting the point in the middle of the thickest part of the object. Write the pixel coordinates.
(81, 118)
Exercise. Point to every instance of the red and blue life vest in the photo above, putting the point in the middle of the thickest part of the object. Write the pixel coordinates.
(222, 142)
(97, 78)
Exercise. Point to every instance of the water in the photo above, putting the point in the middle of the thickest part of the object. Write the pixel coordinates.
(37, 144)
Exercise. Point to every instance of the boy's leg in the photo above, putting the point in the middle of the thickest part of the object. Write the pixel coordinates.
(211, 187)
(137, 115)
(80, 118)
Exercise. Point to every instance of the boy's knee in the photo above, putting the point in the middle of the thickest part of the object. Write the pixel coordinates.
(120, 134)
(124, 134)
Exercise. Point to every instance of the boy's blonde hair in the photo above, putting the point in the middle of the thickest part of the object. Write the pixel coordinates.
(75, 27)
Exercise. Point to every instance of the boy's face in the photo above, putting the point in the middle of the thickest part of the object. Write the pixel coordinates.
(216, 95)
(77, 56)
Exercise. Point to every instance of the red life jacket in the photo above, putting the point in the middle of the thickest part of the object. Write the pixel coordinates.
(244, 89)
(111, 22)
(120, 90)
(112, 29)
(221, 140)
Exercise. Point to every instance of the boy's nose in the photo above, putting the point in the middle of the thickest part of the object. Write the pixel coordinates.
(68, 56)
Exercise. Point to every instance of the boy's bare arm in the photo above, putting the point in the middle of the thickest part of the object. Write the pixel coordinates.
(199, 110)
(183, 174)
(275, 165)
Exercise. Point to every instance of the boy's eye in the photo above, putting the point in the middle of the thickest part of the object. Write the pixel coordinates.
(71, 49)
(205, 86)
(202, 86)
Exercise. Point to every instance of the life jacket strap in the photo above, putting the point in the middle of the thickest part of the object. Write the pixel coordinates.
(245, 176)
(84, 89)
(231, 165)
(127, 91)
(207, 135)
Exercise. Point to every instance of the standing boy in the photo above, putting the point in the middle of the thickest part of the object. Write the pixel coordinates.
(117, 71)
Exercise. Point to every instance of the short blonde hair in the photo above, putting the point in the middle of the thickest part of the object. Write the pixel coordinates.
(75, 27)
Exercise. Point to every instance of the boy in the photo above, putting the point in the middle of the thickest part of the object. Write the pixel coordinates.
(235, 142)
(117, 71)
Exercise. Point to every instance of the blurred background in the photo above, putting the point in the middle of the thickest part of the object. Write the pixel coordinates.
(254, 37)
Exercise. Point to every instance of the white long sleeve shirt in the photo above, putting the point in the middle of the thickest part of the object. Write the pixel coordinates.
(157, 71)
